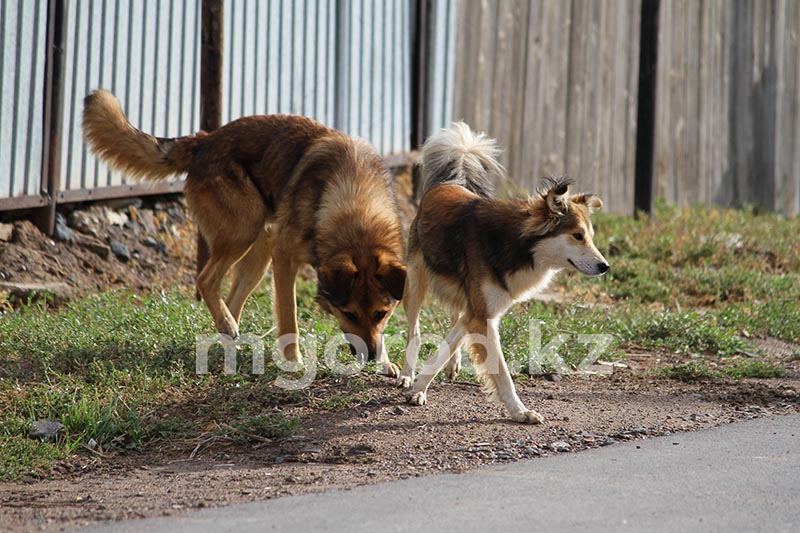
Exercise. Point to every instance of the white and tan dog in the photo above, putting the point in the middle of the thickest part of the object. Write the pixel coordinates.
(480, 255)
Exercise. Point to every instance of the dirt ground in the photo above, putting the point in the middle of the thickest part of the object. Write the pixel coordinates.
(384, 439)
(380, 439)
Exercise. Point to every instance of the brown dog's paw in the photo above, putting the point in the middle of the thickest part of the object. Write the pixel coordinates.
(228, 327)
(528, 417)
(418, 398)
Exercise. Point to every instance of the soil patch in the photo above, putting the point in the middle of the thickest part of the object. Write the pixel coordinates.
(145, 245)
(382, 439)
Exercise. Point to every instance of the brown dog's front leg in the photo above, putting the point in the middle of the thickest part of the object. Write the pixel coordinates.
(284, 272)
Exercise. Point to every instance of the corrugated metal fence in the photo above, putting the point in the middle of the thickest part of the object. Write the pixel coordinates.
(345, 63)
(23, 28)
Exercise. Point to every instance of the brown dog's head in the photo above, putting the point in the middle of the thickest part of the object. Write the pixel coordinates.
(362, 294)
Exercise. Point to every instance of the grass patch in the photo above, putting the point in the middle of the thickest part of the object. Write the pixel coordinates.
(119, 367)
(688, 373)
(753, 369)
(271, 425)
(692, 372)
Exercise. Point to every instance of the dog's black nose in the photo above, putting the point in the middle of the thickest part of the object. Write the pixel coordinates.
(369, 355)
(603, 267)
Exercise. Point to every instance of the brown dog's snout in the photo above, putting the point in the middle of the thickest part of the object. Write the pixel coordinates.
(370, 355)
(364, 349)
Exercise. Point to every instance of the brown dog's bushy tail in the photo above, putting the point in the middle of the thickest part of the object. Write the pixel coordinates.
(122, 147)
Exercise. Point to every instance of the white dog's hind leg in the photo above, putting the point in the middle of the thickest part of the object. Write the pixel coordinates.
(453, 366)
(418, 393)
(414, 296)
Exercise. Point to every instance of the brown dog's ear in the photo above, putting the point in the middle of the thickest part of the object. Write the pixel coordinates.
(336, 281)
(393, 275)
(591, 201)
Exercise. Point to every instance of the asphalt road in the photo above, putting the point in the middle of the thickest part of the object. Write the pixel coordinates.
(741, 477)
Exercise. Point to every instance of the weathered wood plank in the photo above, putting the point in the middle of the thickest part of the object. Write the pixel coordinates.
(556, 83)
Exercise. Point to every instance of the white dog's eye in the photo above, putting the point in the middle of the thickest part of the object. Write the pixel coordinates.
(578, 236)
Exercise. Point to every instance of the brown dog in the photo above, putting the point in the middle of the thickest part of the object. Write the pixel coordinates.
(480, 255)
(281, 189)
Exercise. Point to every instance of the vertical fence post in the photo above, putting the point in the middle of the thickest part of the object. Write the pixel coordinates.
(45, 218)
(210, 87)
(419, 67)
(646, 112)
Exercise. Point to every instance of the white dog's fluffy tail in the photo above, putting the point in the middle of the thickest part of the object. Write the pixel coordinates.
(460, 156)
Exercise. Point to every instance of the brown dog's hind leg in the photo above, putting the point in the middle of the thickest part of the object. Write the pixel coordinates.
(248, 273)
(209, 283)
(230, 214)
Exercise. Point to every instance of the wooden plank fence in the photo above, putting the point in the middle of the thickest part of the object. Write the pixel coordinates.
(556, 82)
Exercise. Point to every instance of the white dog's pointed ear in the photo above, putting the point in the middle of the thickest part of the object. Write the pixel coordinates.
(557, 194)
(591, 201)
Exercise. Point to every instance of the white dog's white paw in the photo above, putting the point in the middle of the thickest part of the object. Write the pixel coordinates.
(528, 417)
(418, 398)
(389, 369)
(404, 382)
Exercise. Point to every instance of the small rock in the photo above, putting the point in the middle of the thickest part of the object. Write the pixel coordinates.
(6, 232)
(311, 450)
(115, 218)
(120, 250)
(363, 449)
(552, 376)
(132, 227)
(62, 232)
(399, 411)
(93, 244)
(147, 221)
(150, 242)
(175, 213)
(92, 444)
(608, 441)
(46, 430)
(84, 222)
(24, 292)
(560, 446)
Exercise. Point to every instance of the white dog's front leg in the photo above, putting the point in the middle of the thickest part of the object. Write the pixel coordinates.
(504, 385)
